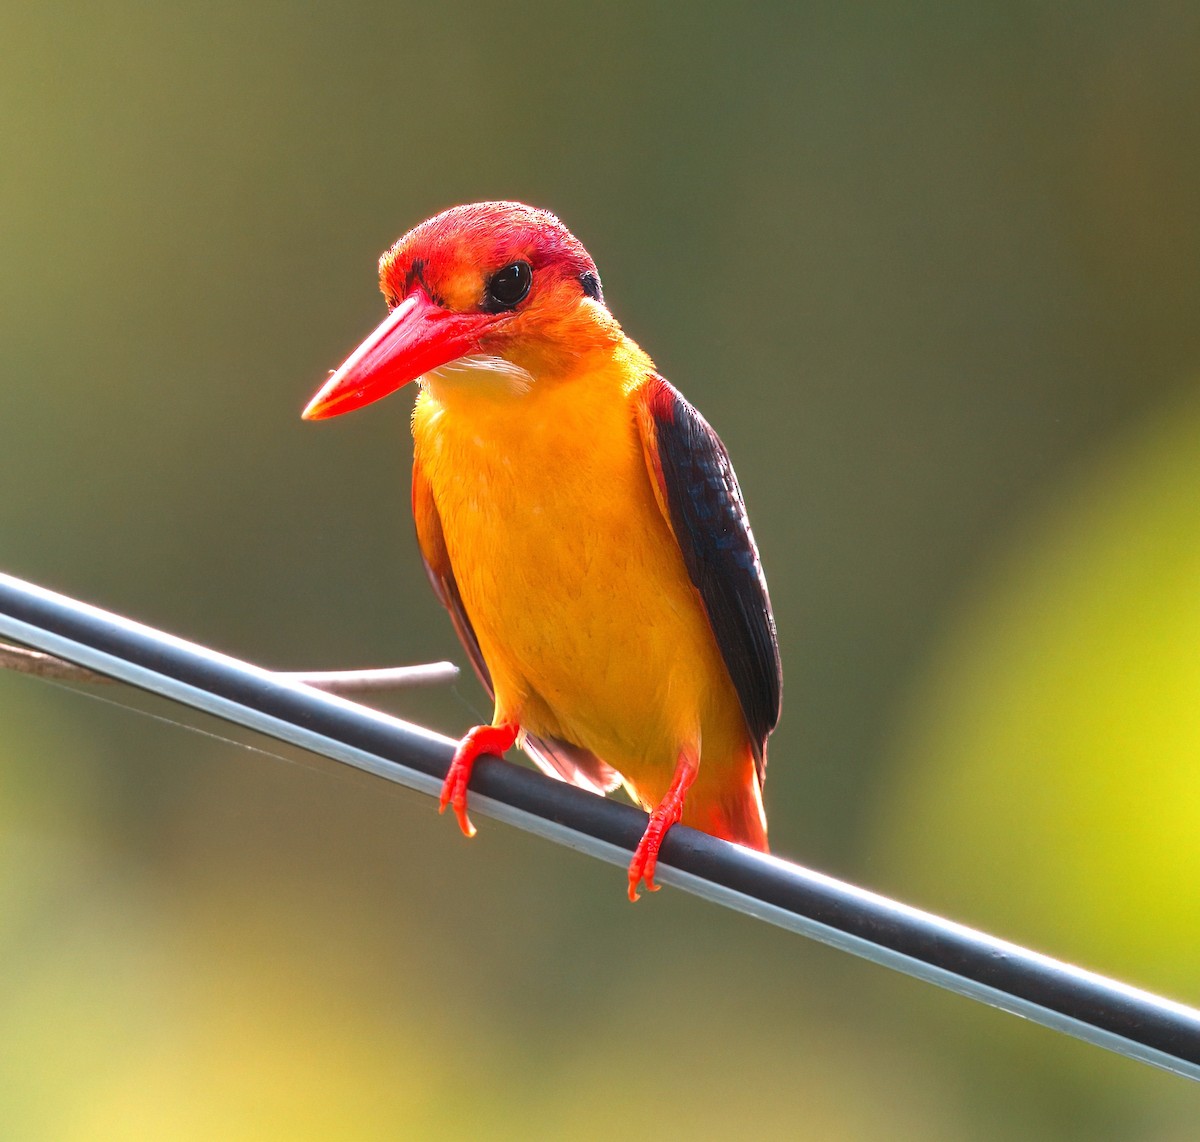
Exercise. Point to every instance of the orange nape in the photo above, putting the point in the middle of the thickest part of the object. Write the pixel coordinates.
(580, 522)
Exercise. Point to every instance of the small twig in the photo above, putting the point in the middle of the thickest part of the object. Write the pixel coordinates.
(44, 665)
(373, 681)
(41, 665)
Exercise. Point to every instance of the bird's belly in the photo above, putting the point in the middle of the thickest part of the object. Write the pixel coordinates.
(586, 624)
(581, 602)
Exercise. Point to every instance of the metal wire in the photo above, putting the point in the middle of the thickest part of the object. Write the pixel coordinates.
(1102, 1011)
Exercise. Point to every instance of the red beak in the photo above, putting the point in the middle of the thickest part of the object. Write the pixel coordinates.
(414, 339)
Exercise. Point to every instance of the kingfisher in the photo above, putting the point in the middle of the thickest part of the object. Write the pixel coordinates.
(581, 523)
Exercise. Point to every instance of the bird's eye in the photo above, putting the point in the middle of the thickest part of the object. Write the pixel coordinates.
(508, 287)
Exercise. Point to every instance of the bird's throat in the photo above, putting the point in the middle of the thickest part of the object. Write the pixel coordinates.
(475, 378)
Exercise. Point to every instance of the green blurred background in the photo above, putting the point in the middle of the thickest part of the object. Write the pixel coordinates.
(934, 274)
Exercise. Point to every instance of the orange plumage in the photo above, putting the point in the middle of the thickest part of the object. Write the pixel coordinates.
(580, 522)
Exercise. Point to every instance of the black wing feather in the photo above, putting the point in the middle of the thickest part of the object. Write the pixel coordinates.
(708, 517)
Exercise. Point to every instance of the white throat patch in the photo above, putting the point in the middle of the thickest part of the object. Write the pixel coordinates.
(479, 372)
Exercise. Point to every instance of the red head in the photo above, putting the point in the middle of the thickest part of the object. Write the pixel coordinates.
(494, 278)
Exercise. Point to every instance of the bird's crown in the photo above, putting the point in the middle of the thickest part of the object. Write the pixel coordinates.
(488, 256)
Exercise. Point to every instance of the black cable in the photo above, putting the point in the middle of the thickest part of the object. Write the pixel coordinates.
(1110, 1014)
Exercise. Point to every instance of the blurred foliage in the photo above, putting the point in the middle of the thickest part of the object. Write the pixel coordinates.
(1053, 738)
(1061, 726)
(934, 275)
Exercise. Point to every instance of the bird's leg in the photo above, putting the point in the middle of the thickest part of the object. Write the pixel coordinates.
(669, 810)
(477, 741)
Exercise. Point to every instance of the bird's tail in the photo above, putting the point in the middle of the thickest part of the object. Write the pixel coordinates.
(736, 813)
(744, 823)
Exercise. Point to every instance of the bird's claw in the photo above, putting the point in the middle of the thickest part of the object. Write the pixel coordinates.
(641, 868)
(477, 741)
(454, 794)
(668, 813)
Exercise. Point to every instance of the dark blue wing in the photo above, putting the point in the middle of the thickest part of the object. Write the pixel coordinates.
(700, 496)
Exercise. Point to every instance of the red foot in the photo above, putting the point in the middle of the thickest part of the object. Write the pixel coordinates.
(670, 809)
(478, 741)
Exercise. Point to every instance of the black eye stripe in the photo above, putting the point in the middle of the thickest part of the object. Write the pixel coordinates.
(508, 287)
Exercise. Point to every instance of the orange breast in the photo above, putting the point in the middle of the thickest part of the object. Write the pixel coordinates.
(571, 576)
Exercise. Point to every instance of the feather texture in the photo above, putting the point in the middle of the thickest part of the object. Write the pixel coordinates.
(700, 496)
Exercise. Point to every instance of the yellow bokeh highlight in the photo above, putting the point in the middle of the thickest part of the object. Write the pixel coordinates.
(1047, 783)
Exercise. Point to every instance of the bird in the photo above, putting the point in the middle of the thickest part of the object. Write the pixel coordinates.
(581, 523)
